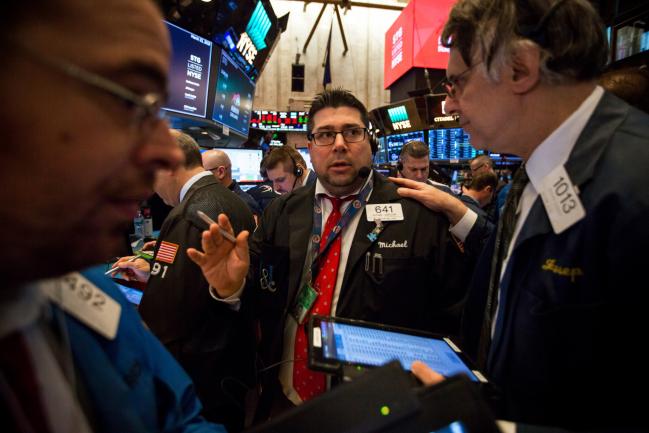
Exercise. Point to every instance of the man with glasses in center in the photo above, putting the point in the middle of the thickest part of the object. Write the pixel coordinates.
(346, 245)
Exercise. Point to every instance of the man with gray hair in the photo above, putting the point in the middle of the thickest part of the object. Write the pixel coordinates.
(218, 162)
(206, 336)
(556, 295)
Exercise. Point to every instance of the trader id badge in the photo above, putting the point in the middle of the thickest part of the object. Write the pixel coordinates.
(303, 303)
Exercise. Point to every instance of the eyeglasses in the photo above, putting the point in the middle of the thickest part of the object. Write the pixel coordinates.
(451, 85)
(147, 108)
(327, 138)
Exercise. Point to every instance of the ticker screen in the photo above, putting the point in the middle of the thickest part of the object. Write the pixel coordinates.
(279, 120)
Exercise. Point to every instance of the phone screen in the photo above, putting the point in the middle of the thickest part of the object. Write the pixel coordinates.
(369, 346)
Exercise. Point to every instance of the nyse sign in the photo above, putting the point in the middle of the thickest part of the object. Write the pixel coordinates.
(247, 48)
(404, 124)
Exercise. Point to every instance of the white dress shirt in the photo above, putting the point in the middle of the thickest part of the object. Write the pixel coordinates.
(290, 326)
(24, 313)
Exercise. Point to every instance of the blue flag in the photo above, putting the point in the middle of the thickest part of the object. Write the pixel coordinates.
(326, 79)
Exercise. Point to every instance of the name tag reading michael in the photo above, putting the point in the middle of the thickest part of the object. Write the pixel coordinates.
(561, 200)
(384, 212)
(86, 302)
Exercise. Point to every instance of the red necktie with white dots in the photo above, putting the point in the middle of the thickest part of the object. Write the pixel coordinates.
(308, 383)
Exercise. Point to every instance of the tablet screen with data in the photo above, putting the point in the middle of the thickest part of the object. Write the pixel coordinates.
(336, 342)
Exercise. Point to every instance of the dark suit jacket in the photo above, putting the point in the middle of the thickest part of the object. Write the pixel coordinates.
(423, 284)
(574, 302)
(209, 339)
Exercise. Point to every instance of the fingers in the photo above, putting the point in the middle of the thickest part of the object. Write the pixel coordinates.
(124, 259)
(196, 256)
(148, 246)
(241, 247)
(224, 223)
(401, 181)
(425, 373)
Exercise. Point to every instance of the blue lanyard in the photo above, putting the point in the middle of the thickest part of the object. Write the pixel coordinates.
(316, 241)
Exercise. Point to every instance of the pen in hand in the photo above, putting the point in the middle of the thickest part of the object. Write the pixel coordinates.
(210, 221)
(117, 268)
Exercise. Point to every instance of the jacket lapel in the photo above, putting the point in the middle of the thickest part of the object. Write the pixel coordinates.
(590, 146)
(299, 209)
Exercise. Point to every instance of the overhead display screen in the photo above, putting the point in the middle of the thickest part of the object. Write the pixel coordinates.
(280, 120)
(233, 96)
(189, 73)
(451, 144)
(245, 164)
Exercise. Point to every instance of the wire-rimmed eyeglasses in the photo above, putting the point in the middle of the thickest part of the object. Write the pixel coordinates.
(451, 85)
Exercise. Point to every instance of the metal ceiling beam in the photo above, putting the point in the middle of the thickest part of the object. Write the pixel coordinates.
(393, 6)
(342, 30)
(317, 20)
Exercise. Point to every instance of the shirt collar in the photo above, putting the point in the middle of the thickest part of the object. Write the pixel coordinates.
(555, 150)
(320, 190)
(23, 309)
(192, 180)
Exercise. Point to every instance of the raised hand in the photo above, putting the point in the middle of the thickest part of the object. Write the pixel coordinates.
(224, 264)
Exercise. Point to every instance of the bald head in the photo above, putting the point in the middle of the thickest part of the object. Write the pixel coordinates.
(218, 162)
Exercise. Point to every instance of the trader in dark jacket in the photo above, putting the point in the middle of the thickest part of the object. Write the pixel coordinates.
(560, 292)
(206, 335)
(398, 264)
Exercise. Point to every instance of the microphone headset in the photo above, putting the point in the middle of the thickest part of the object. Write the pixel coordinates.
(298, 171)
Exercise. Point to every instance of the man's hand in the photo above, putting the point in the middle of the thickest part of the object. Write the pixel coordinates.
(432, 198)
(425, 373)
(133, 269)
(223, 263)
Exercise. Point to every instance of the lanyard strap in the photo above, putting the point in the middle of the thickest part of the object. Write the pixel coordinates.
(316, 248)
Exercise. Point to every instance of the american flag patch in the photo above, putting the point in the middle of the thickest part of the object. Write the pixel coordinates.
(167, 252)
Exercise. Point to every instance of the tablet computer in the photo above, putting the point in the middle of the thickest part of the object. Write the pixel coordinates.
(337, 343)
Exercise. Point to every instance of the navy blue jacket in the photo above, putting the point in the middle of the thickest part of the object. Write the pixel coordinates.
(569, 352)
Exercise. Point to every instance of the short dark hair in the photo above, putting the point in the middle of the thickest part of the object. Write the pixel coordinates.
(569, 32)
(286, 155)
(482, 180)
(414, 149)
(189, 148)
(335, 98)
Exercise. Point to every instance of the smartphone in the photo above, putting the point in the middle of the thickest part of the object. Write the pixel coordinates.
(336, 343)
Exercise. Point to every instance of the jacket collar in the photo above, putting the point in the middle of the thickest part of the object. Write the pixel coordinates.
(588, 150)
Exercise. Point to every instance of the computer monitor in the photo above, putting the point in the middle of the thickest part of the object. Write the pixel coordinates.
(189, 72)
(245, 164)
(307, 157)
(395, 142)
(233, 96)
(451, 144)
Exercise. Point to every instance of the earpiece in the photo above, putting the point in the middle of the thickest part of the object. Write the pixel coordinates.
(297, 170)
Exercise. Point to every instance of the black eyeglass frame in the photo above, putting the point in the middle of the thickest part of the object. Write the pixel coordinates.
(313, 136)
(148, 107)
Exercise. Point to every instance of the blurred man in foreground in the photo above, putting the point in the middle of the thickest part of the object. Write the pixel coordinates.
(74, 356)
